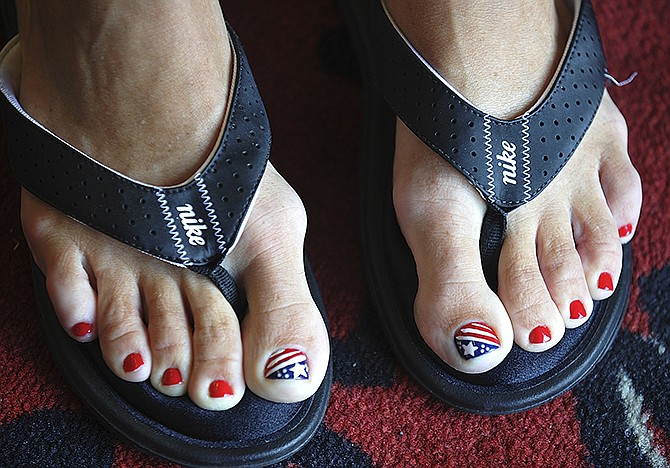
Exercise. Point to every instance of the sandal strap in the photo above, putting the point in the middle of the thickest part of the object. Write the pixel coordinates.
(509, 161)
(192, 225)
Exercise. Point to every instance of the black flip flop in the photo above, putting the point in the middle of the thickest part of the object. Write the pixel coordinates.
(159, 222)
(399, 82)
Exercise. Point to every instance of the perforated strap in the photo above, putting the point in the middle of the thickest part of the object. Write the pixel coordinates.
(510, 162)
(192, 225)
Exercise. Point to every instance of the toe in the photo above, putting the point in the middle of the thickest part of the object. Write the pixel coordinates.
(169, 332)
(123, 336)
(216, 381)
(67, 279)
(598, 244)
(561, 268)
(620, 181)
(72, 296)
(440, 215)
(286, 348)
(537, 322)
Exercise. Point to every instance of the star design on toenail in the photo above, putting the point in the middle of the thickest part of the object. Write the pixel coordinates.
(287, 364)
(300, 371)
(469, 350)
(476, 339)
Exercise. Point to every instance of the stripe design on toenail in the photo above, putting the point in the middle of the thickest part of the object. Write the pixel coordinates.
(476, 339)
(605, 282)
(287, 364)
(172, 376)
(577, 310)
(625, 231)
(132, 362)
(82, 329)
(540, 334)
(220, 389)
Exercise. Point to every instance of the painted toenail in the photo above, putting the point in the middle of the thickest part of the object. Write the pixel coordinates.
(132, 362)
(539, 335)
(577, 310)
(82, 329)
(605, 282)
(172, 376)
(287, 364)
(624, 231)
(220, 389)
(475, 339)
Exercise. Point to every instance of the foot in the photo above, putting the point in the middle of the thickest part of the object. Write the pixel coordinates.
(149, 102)
(563, 250)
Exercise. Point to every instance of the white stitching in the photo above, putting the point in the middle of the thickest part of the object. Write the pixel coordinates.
(489, 155)
(211, 213)
(169, 222)
(525, 132)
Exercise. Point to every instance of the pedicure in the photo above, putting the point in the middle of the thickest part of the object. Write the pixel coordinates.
(540, 334)
(132, 362)
(605, 282)
(476, 339)
(171, 377)
(287, 364)
(577, 310)
(81, 329)
(625, 231)
(220, 389)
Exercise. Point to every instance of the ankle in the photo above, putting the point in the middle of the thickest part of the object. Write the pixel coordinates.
(146, 79)
(500, 56)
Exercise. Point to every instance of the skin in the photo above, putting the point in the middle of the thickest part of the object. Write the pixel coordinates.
(556, 247)
(149, 102)
(501, 56)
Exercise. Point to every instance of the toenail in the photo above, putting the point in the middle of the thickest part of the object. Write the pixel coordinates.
(475, 339)
(220, 389)
(287, 364)
(540, 334)
(577, 310)
(82, 329)
(605, 282)
(132, 362)
(624, 231)
(172, 376)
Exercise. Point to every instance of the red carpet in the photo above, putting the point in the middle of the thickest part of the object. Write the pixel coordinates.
(619, 416)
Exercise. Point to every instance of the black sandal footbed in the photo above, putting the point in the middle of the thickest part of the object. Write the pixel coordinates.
(524, 380)
(255, 432)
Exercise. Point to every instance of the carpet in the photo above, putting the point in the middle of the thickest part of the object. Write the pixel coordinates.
(618, 417)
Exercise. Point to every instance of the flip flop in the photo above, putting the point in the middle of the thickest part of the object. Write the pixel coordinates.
(193, 225)
(509, 162)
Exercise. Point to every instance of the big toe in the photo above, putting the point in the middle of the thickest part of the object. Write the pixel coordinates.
(440, 214)
(286, 347)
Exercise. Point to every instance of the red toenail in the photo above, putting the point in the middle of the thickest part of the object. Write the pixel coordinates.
(220, 389)
(172, 376)
(82, 329)
(475, 339)
(133, 362)
(577, 310)
(540, 334)
(624, 231)
(605, 282)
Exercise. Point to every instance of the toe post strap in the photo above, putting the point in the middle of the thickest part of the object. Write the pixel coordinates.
(194, 224)
(494, 227)
(509, 161)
